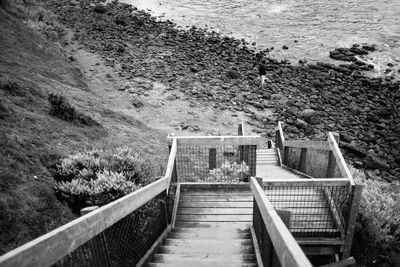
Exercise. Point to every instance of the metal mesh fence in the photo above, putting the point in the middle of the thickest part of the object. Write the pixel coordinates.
(316, 211)
(316, 162)
(215, 164)
(125, 242)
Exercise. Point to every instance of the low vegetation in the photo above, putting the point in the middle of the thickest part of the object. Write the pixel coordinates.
(62, 109)
(377, 237)
(97, 177)
(230, 172)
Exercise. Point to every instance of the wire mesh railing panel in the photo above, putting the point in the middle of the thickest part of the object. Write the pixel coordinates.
(316, 162)
(316, 211)
(126, 241)
(80, 257)
(292, 157)
(215, 164)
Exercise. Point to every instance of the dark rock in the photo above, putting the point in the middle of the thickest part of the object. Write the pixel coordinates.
(373, 161)
(100, 9)
(370, 48)
(137, 102)
(267, 95)
(292, 129)
(285, 47)
(232, 74)
(194, 127)
(356, 149)
(121, 21)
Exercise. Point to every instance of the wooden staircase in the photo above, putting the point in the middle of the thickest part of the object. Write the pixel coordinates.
(212, 229)
(267, 166)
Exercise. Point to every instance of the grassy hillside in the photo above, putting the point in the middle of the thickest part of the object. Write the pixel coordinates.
(32, 66)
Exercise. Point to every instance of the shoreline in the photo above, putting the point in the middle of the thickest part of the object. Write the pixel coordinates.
(212, 68)
(291, 43)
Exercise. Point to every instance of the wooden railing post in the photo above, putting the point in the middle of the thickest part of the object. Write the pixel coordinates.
(241, 149)
(351, 225)
(174, 175)
(98, 244)
(212, 158)
(303, 158)
(285, 155)
(330, 173)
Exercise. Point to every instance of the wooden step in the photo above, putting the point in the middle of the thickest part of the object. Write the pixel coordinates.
(216, 193)
(215, 198)
(218, 211)
(209, 234)
(200, 264)
(226, 225)
(316, 241)
(227, 248)
(213, 259)
(215, 204)
(214, 218)
(206, 242)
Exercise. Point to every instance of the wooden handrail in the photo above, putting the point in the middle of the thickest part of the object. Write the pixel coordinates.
(287, 249)
(339, 158)
(321, 145)
(171, 162)
(53, 246)
(216, 140)
(307, 182)
(280, 129)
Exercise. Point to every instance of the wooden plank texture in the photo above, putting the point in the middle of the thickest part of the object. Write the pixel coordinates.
(320, 145)
(308, 182)
(216, 198)
(171, 162)
(213, 204)
(236, 211)
(214, 218)
(217, 140)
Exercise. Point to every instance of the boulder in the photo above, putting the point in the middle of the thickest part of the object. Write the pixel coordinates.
(373, 161)
(232, 74)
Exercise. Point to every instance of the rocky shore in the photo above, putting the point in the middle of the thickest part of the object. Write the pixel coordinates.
(209, 68)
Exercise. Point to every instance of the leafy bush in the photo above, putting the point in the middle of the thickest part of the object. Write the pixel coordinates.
(230, 172)
(63, 110)
(377, 237)
(97, 177)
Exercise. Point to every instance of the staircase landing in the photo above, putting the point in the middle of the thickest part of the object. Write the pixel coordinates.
(268, 167)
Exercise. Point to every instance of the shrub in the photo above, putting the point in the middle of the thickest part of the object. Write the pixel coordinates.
(377, 236)
(12, 87)
(61, 108)
(230, 172)
(97, 177)
(106, 187)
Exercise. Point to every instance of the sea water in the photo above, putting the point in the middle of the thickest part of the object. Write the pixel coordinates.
(309, 28)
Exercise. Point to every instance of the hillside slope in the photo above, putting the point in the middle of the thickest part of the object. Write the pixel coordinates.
(35, 61)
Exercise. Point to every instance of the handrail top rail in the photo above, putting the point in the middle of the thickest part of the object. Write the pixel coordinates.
(217, 140)
(320, 145)
(286, 247)
(307, 182)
